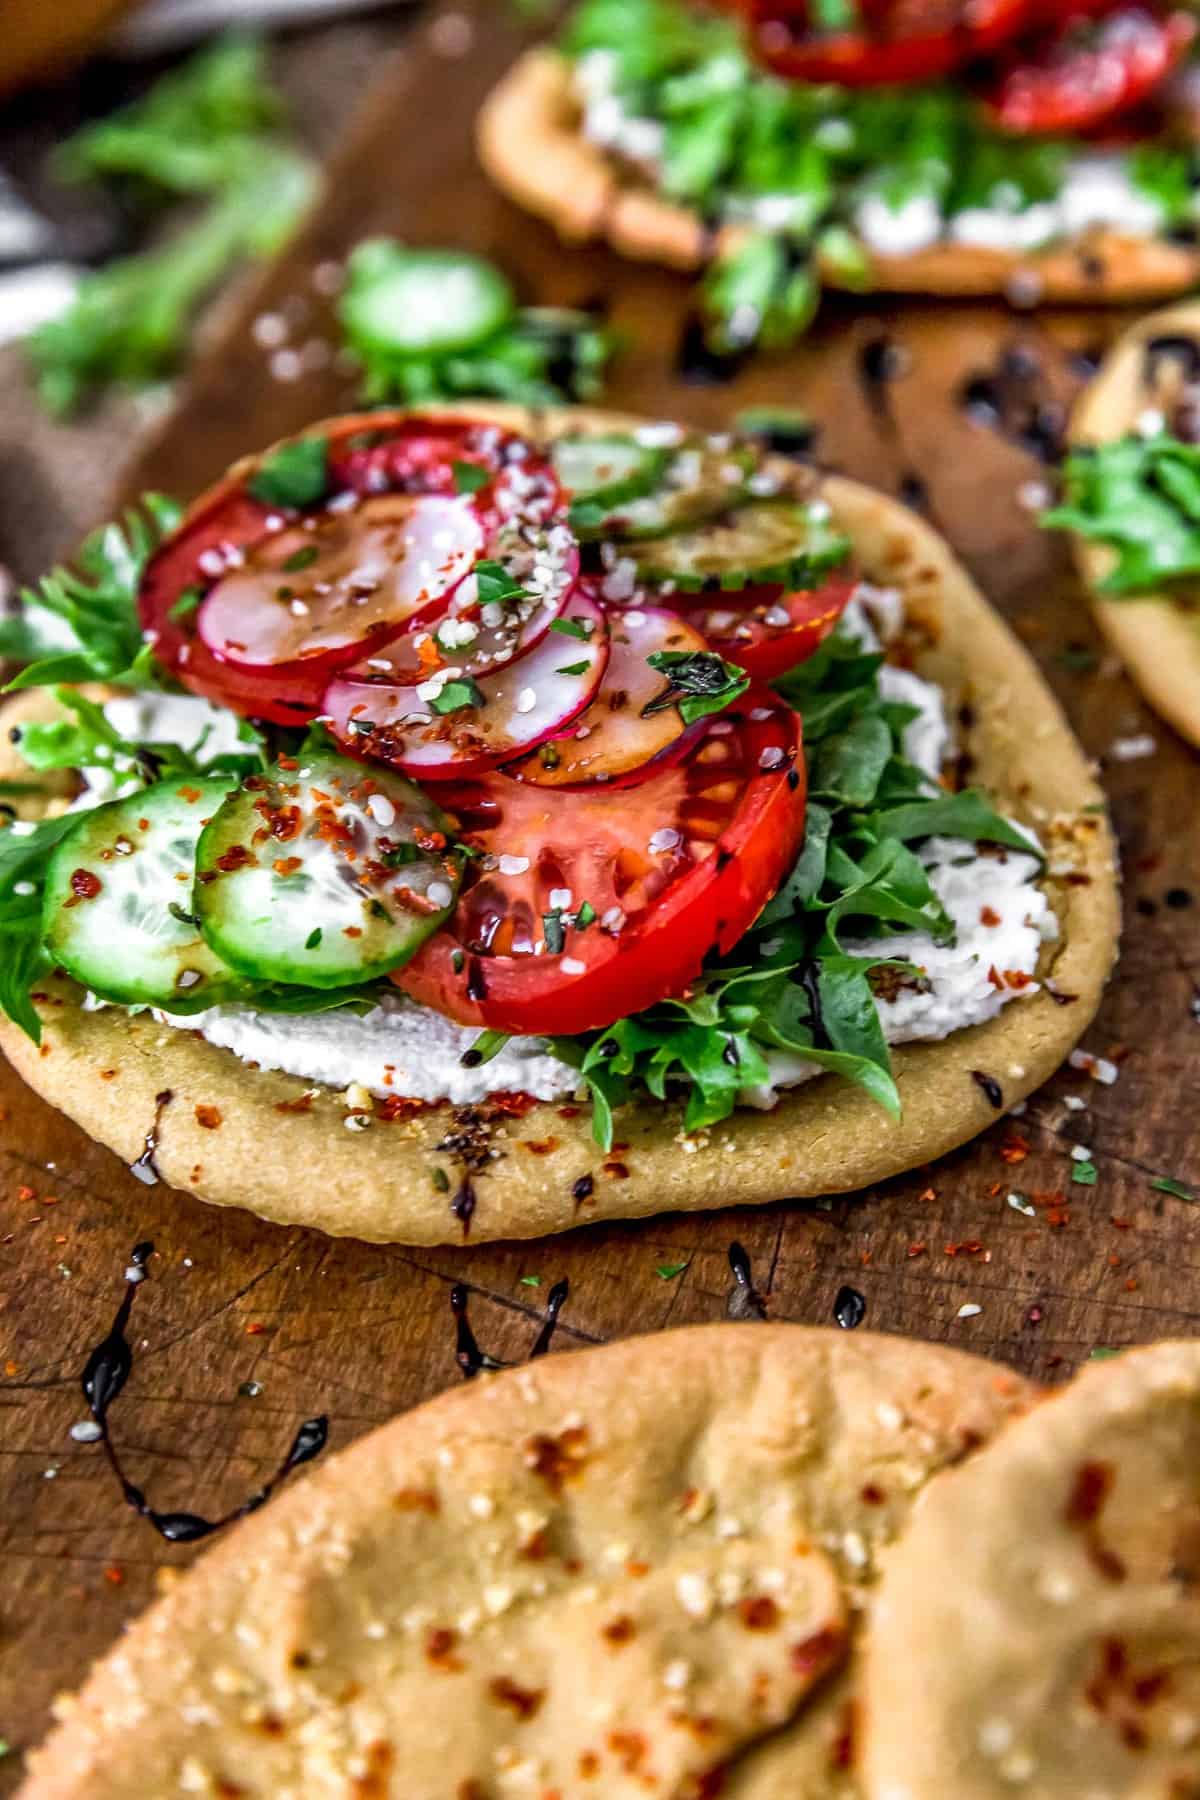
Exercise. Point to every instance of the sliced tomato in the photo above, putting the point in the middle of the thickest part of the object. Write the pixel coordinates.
(898, 41)
(769, 631)
(1088, 71)
(615, 735)
(492, 721)
(224, 567)
(669, 871)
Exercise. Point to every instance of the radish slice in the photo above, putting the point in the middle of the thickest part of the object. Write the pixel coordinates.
(479, 635)
(327, 588)
(451, 726)
(612, 737)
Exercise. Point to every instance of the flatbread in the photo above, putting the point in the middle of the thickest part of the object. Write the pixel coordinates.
(1037, 1629)
(607, 1572)
(532, 147)
(239, 1136)
(1156, 637)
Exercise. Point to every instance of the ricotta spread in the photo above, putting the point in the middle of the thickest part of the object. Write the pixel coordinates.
(153, 718)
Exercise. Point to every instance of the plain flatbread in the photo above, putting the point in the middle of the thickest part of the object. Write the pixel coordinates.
(1037, 1629)
(607, 1572)
(239, 1136)
(532, 146)
(1156, 637)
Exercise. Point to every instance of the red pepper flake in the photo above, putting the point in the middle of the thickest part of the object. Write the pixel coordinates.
(288, 865)
(236, 857)
(114, 1575)
(399, 1106)
(758, 1612)
(995, 977)
(254, 1329)
(1017, 979)
(917, 1249)
(439, 1649)
(1122, 1224)
(352, 931)
(988, 916)
(618, 1631)
(1014, 1149)
(12, 1368)
(190, 794)
(84, 886)
(417, 1500)
(813, 1655)
(1058, 1215)
(301, 1104)
(208, 1117)
(287, 762)
(616, 1171)
(539, 1146)
(927, 1195)
(26, 1194)
(523, 1703)
(513, 1105)
(557, 1459)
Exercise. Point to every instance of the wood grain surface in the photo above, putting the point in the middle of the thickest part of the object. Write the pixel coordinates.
(244, 1328)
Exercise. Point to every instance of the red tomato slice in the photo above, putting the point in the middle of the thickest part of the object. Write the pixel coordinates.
(614, 737)
(777, 630)
(903, 40)
(370, 455)
(1089, 71)
(674, 868)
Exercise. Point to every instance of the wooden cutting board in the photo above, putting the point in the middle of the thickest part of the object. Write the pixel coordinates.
(245, 1328)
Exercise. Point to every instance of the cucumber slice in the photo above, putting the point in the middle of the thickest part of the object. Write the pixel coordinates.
(421, 303)
(701, 480)
(117, 913)
(765, 543)
(602, 474)
(327, 875)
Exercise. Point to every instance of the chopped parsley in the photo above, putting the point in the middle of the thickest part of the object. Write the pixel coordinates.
(297, 474)
(469, 478)
(578, 668)
(1085, 1173)
(574, 628)
(668, 1271)
(1167, 1184)
(699, 683)
(457, 696)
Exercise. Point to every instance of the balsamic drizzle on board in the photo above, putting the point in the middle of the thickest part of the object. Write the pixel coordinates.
(744, 1301)
(104, 1376)
(471, 1358)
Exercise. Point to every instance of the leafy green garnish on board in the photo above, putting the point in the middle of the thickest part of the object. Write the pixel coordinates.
(791, 162)
(1139, 496)
(208, 133)
(797, 982)
(81, 622)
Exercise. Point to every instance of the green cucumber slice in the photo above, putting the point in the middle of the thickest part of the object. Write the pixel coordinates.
(604, 473)
(117, 913)
(420, 303)
(325, 874)
(700, 480)
(764, 543)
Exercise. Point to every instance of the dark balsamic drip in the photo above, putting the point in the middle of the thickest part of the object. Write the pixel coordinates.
(816, 1016)
(744, 1301)
(104, 1376)
(583, 1189)
(463, 1205)
(145, 1166)
(471, 1358)
(1174, 347)
(849, 1309)
(700, 363)
(990, 1086)
(796, 438)
(1015, 399)
(880, 361)
(914, 491)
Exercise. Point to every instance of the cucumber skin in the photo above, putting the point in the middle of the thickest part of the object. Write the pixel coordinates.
(225, 831)
(68, 856)
(379, 267)
(801, 570)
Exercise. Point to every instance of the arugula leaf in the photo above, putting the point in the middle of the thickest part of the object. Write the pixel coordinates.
(456, 696)
(699, 683)
(1141, 497)
(24, 850)
(95, 603)
(297, 474)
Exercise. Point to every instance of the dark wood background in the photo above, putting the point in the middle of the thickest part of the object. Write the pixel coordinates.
(362, 1331)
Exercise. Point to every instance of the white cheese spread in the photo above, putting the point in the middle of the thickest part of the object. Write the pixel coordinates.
(153, 718)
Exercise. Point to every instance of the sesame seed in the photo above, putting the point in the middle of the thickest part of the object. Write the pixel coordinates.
(526, 700)
(513, 865)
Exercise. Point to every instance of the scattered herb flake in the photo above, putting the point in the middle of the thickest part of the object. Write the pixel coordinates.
(579, 668)
(668, 1271)
(458, 695)
(1166, 1184)
(469, 478)
(575, 628)
(531, 1281)
(313, 939)
(1084, 1173)
(297, 474)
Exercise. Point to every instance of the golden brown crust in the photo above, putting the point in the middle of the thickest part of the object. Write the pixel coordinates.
(656, 1545)
(532, 147)
(291, 1159)
(1156, 637)
(1037, 1628)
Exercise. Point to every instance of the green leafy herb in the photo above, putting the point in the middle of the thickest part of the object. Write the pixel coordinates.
(301, 559)
(531, 1281)
(573, 628)
(1140, 497)
(312, 941)
(458, 695)
(495, 586)
(487, 1045)
(93, 605)
(186, 605)
(469, 478)
(699, 683)
(1166, 1184)
(297, 474)
(577, 668)
(585, 916)
(1085, 1173)
(130, 321)
(1102, 1353)
(668, 1271)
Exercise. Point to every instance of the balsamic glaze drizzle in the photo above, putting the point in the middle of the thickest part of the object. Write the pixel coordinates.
(104, 1376)
(850, 1308)
(991, 1088)
(145, 1168)
(745, 1301)
(880, 361)
(471, 1358)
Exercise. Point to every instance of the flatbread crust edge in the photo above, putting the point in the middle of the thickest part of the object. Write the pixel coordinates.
(1157, 639)
(532, 148)
(817, 1411)
(223, 1136)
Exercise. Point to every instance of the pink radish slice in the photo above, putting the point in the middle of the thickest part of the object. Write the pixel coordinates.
(517, 708)
(612, 737)
(480, 638)
(330, 586)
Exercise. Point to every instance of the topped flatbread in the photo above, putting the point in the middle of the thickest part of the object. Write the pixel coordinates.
(614, 1572)
(436, 1143)
(1146, 390)
(1037, 1629)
